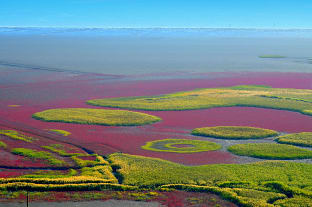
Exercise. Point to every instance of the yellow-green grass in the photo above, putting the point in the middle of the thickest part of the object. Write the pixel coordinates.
(270, 151)
(299, 100)
(60, 131)
(172, 145)
(101, 171)
(240, 183)
(17, 186)
(51, 174)
(3, 145)
(299, 139)
(41, 155)
(66, 180)
(296, 201)
(234, 132)
(99, 160)
(272, 56)
(16, 135)
(96, 116)
(307, 112)
(14, 105)
(60, 149)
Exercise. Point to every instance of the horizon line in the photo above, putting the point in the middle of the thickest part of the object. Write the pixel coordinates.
(89, 27)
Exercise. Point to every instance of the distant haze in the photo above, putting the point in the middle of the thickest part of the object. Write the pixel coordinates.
(140, 51)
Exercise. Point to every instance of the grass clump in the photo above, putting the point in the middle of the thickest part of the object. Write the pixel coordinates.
(41, 155)
(50, 174)
(187, 146)
(297, 201)
(234, 132)
(299, 100)
(60, 149)
(60, 131)
(101, 171)
(99, 160)
(96, 116)
(272, 56)
(270, 151)
(16, 135)
(3, 145)
(299, 139)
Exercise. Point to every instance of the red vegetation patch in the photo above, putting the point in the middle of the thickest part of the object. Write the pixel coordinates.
(6, 173)
(11, 160)
(63, 92)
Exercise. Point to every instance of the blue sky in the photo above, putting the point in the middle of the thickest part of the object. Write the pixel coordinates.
(157, 13)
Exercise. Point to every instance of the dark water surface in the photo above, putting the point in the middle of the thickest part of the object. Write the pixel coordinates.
(145, 51)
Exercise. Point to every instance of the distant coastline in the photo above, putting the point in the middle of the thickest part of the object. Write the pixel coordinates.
(159, 31)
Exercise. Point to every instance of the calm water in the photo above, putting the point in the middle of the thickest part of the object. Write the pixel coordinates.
(144, 51)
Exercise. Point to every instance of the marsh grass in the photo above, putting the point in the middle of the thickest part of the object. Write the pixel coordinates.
(270, 151)
(299, 100)
(256, 184)
(3, 145)
(234, 132)
(41, 155)
(299, 139)
(60, 131)
(60, 149)
(96, 116)
(192, 146)
(16, 135)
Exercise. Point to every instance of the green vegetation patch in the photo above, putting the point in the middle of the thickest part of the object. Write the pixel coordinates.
(145, 171)
(16, 135)
(99, 160)
(254, 184)
(60, 131)
(42, 155)
(299, 100)
(50, 174)
(102, 172)
(272, 56)
(307, 112)
(96, 116)
(181, 146)
(60, 149)
(3, 145)
(297, 201)
(270, 151)
(300, 139)
(234, 132)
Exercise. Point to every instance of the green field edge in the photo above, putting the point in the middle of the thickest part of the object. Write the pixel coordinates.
(304, 112)
(157, 119)
(148, 146)
(195, 132)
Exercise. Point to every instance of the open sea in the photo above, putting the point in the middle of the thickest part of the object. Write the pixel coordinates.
(148, 51)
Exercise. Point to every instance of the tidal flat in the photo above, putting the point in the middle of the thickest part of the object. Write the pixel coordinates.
(99, 162)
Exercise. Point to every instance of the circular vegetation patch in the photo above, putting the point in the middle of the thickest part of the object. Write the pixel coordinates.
(300, 139)
(270, 151)
(96, 116)
(181, 145)
(234, 132)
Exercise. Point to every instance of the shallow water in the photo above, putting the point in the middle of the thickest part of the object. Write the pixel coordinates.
(130, 51)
